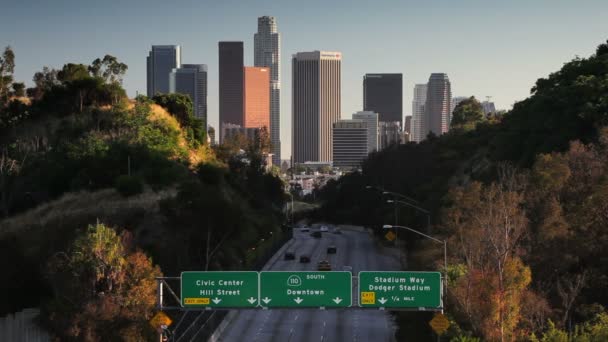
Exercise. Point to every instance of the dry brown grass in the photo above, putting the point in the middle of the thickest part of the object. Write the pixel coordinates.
(75, 211)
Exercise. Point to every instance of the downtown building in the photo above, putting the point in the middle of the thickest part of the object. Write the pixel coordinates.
(161, 60)
(383, 94)
(230, 85)
(371, 120)
(437, 108)
(407, 130)
(191, 80)
(418, 119)
(316, 87)
(267, 53)
(256, 97)
(389, 133)
(350, 144)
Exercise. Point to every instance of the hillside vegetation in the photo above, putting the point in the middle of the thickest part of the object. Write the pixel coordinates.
(521, 200)
(132, 184)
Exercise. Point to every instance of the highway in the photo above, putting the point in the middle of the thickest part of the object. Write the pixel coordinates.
(355, 248)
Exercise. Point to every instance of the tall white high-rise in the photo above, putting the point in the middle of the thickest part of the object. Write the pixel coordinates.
(371, 119)
(267, 53)
(418, 126)
(316, 97)
(160, 62)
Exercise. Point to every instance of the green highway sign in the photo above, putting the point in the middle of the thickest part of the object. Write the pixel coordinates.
(305, 289)
(400, 289)
(219, 289)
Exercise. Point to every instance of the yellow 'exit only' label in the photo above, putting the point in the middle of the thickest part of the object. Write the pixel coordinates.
(197, 301)
(368, 297)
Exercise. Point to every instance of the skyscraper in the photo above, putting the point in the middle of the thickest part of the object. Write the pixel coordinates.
(231, 84)
(267, 53)
(383, 94)
(438, 103)
(161, 60)
(349, 142)
(191, 79)
(316, 100)
(256, 97)
(418, 128)
(371, 120)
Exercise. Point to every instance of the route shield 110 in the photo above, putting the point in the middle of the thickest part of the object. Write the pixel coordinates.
(305, 289)
(219, 289)
(400, 290)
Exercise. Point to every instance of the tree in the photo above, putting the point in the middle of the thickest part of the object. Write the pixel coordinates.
(467, 113)
(44, 80)
(103, 288)
(19, 89)
(108, 68)
(487, 225)
(72, 72)
(7, 67)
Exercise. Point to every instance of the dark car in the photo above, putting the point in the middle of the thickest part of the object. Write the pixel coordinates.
(304, 259)
(316, 234)
(332, 249)
(290, 256)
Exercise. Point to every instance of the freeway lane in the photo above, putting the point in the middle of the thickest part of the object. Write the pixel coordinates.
(355, 249)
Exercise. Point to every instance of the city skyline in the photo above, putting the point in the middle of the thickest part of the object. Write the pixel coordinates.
(538, 45)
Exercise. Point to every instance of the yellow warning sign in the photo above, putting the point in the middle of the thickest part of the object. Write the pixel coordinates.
(439, 323)
(368, 297)
(390, 236)
(159, 319)
(197, 301)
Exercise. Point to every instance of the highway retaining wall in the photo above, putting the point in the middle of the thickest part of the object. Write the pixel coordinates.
(21, 327)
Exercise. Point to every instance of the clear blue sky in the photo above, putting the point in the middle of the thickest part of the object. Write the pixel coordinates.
(487, 47)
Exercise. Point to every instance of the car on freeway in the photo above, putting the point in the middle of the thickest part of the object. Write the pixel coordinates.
(324, 229)
(347, 268)
(324, 265)
(332, 249)
(304, 229)
(337, 231)
(290, 255)
(304, 259)
(316, 234)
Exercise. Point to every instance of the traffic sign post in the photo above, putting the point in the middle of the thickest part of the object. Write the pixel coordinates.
(219, 289)
(284, 289)
(421, 290)
(440, 324)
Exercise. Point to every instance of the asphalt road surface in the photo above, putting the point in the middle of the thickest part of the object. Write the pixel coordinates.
(355, 249)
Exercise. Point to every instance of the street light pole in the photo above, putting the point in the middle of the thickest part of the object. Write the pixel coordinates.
(290, 195)
(445, 255)
(428, 213)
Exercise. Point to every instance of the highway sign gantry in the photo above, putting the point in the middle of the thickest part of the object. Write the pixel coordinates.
(285, 289)
(219, 289)
(421, 290)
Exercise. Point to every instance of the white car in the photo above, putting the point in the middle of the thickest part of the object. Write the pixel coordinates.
(324, 229)
(304, 229)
